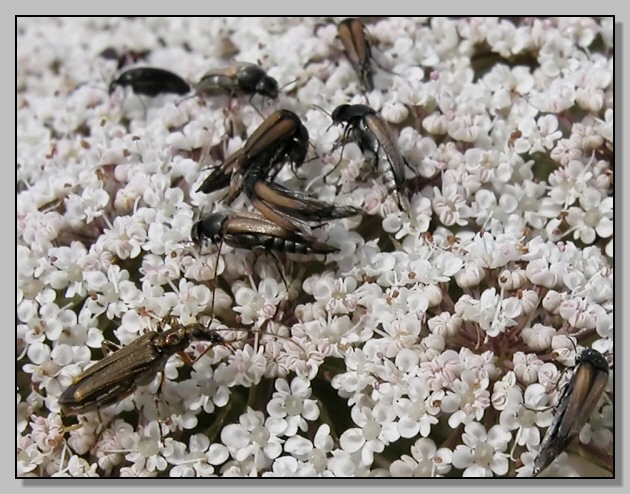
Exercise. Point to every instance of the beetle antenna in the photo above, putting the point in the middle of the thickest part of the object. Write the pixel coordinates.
(321, 109)
(572, 343)
(262, 332)
(288, 83)
(184, 98)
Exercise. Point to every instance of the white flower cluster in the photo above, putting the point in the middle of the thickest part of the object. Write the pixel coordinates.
(434, 343)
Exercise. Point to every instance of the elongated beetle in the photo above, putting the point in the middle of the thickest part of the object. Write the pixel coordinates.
(254, 232)
(151, 81)
(577, 401)
(373, 136)
(121, 372)
(356, 44)
(280, 139)
(284, 206)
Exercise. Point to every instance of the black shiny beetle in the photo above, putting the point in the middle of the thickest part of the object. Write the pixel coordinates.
(150, 81)
(373, 136)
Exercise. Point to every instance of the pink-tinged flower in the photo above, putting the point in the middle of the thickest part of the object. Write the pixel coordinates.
(125, 238)
(468, 399)
(257, 304)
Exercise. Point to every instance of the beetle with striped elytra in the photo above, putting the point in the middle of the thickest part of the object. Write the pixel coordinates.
(280, 139)
(252, 231)
(372, 134)
(577, 401)
(357, 47)
(121, 372)
(118, 374)
(285, 207)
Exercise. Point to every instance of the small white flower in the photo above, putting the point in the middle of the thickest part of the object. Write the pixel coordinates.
(426, 461)
(77, 467)
(125, 238)
(482, 454)
(250, 439)
(521, 414)
(468, 399)
(290, 407)
(593, 218)
(198, 459)
(146, 449)
(257, 304)
(377, 430)
(316, 452)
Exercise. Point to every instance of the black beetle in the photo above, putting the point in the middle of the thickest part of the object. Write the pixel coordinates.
(151, 81)
(373, 136)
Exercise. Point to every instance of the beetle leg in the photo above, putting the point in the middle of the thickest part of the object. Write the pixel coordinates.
(344, 140)
(280, 269)
(108, 347)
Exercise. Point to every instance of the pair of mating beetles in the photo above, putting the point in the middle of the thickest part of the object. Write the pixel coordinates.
(284, 225)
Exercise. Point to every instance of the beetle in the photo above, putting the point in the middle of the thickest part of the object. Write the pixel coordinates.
(281, 138)
(577, 401)
(121, 372)
(241, 78)
(373, 136)
(356, 44)
(276, 202)
(151, 81)
(252, 231)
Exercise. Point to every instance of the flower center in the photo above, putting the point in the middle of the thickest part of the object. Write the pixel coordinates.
(260, 435)
(294, 405)
(483, 454)
(148, 447)
(371, 430)
(418, 410)
(526, 417)
(592, 217)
